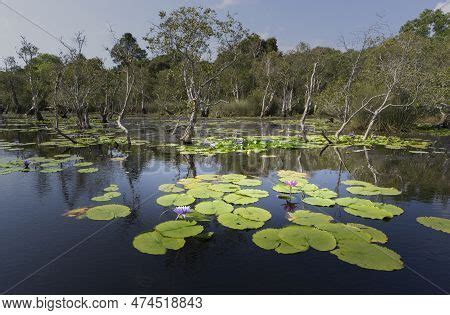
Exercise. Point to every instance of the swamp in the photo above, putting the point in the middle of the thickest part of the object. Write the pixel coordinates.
(209, 161)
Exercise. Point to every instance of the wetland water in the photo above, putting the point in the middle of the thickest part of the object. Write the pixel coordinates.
(97, 257)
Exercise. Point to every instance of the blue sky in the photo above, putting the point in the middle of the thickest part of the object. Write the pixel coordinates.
(318, 22)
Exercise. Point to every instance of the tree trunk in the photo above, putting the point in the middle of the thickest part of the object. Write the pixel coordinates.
(443, 122)
(370, 125)
(308, 102)
(189, 132)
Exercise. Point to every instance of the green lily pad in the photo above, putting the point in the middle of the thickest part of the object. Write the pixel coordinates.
(377, 235)
(306, 217)
(248, 182)
(175, 200)
(347, 201)
(267, 239)
(225, 188)
(51, 170)
(364, 191)
(101, 198)
(394, 210)
(170, 188)
(179, 229)
(155, 244)
(236, 222)
(208, 177)
(112, 187)
(367, 211)
(324, 193)
(368, 256)
(288, 173)
(62, 156)
(83, 164)
(255, 193)
(283, 188)
(238, 199)
(204, 193)
(342, 232)
(253, 213)
(108, 212)
(287, 249)
(355, 183)
(294, 236)
(438, 224)
(233, 177)
(88, 170)
(321, 202)
(216, 207)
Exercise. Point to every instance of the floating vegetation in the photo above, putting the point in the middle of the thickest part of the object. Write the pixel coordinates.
(435, 223)
(87, 170)
(368, 209)
(179, 229)
(170, 188)
(237, 222)
(367, 189)
(107, 196)
(216, 207)
(368, 256)
(83, 164)
(321, 202)
(154, 243)
(112, 187)
(308, 218)
(78, 213)
(175, 200)
(108, 212)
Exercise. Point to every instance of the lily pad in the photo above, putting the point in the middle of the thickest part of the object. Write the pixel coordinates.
(283, 188)
(438, 224)
(51, 170)
(204, 193)
(155, 244)
(368, 256)
(88, 170)
(233, 177)
(321, 202)
(170, 188)
(225, 188)
(342, 232)
(294, 236)
(238, 199)
(112, 187)
(324, 193)
(267, 239)
(208, 177)
(351, 182)
(253, 213)
(377, 235)
(83, 164)
(287, 249)
(288, 173)
(108, 212)
(306, 217)
(179, 229)
(216, 207)
(255, 193)
(175, 200)
(248, 182)
(368, 211)
(236, 222)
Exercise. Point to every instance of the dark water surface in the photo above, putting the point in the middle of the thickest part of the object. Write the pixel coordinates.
(43, 252)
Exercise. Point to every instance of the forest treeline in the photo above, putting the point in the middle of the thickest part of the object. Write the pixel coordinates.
(197, 64)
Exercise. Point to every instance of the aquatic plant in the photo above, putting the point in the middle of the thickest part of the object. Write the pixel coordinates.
(182, 211)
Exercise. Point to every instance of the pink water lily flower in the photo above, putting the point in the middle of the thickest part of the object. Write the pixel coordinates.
(182, 211)
(291, 183)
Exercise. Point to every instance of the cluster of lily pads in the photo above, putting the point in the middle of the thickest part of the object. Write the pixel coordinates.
(110, 192)
(351, 243)
(105, 212)
(217, 145)
(46, 165)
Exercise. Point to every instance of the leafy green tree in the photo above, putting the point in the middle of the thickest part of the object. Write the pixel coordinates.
(193, 34)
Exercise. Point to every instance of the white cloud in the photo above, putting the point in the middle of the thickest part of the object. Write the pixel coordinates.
(444, 6)
(226, 3)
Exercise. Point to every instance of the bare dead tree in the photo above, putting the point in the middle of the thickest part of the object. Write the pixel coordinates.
(310, 88)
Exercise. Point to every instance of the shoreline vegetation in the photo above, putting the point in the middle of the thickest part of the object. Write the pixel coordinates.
(199, 65)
